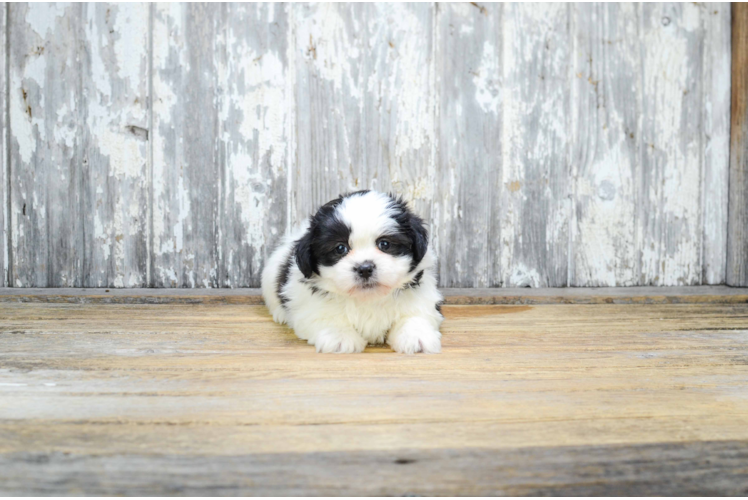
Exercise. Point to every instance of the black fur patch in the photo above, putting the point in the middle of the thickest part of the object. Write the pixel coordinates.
(313, 288)
(285, 270)
(416, 281)
(325, 233)
(439, 308)
(412, 238)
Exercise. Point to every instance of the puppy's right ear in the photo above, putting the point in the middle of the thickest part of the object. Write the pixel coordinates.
(304, 256)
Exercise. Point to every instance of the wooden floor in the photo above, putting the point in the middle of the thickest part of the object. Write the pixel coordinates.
(214, 398)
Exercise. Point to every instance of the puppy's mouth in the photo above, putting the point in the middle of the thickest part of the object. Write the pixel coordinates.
(369, 287)
(366, 285)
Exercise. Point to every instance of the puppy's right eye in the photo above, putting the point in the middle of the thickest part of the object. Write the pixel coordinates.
(341, 249)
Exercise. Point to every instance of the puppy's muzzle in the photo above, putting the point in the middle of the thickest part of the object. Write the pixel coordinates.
(365, 269)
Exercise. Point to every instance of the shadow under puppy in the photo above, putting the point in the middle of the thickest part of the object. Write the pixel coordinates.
(360, 272)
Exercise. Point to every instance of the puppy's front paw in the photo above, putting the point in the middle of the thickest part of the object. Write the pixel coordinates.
(338, 341)
(415, 335)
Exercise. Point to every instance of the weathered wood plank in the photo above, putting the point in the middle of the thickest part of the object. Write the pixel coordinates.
(716, 140)
(4, 131)
(256, 149)
(714, 468)
(611, 295)
(468, 179)
(523, 166)
(330, 82)
(737, 229)
(670, 231)
(364, 102)
(116, 191)
(93, 230)
(399, 99)
(452, 296)
(47, 148)
(577, 399)
(186, 168)
(606, 91)
(535, 204)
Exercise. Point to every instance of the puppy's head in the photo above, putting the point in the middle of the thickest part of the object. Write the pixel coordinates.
(362, 244)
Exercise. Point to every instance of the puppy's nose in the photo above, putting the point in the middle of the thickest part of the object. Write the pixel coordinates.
(365, 269)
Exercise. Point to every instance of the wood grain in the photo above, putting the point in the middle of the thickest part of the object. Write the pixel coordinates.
(535, 203)
(4, 158)
(330, 82)
(547, 145)
(737, 239)
(399, 100)
(452, 296)
(78, 166)
(606, 141)
(466, 208)
(670, 238)
(716, 136)
(702, 469)
(256, 149)
(115, 129)
(186, 168)
(364, 103)
(47, 148)
(94, 398)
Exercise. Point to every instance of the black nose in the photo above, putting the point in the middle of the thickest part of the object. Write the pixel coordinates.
(365, 269)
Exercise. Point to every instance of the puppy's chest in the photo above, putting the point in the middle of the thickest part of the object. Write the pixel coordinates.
(372, 321)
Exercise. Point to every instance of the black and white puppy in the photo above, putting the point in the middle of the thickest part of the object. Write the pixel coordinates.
(360, 272)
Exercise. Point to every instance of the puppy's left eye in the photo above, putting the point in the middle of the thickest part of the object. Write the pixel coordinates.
(341, 249)
(383, 245)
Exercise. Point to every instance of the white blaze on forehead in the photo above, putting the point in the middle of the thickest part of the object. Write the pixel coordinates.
(368, 216)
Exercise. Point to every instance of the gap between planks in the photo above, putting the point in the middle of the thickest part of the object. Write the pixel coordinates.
(452, 296)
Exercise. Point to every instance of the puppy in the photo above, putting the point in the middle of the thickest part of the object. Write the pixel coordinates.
(360, 272)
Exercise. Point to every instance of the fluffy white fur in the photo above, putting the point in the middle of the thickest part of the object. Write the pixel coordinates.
(332, 311)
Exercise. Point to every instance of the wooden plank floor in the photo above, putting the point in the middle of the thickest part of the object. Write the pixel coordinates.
(210, 398)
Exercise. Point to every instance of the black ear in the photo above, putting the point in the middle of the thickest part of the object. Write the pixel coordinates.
(304, 255)
(419, 238)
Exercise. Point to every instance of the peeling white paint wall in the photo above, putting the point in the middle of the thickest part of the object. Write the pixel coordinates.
(173, 145)
(4, 164)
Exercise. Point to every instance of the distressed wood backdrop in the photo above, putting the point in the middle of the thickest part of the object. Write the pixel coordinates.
(548, 145)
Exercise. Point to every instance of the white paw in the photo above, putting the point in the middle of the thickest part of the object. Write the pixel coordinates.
(341, 342)
(415, 335)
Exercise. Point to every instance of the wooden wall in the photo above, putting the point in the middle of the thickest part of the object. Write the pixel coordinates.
(737, 225)
(549, 144)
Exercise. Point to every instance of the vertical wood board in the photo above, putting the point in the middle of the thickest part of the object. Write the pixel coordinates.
(535, 202)
(399, 100)
(364, 103)
(256, 150)
(4, 163)
(737, 235)
(329, 50)
(606, 90)
(670, 208)
(186, 167)
(47, 67)
(115, 195)
(716, 136)
(468, 181)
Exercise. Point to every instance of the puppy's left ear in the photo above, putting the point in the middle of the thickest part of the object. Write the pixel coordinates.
(419, 238)
(304, 256)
